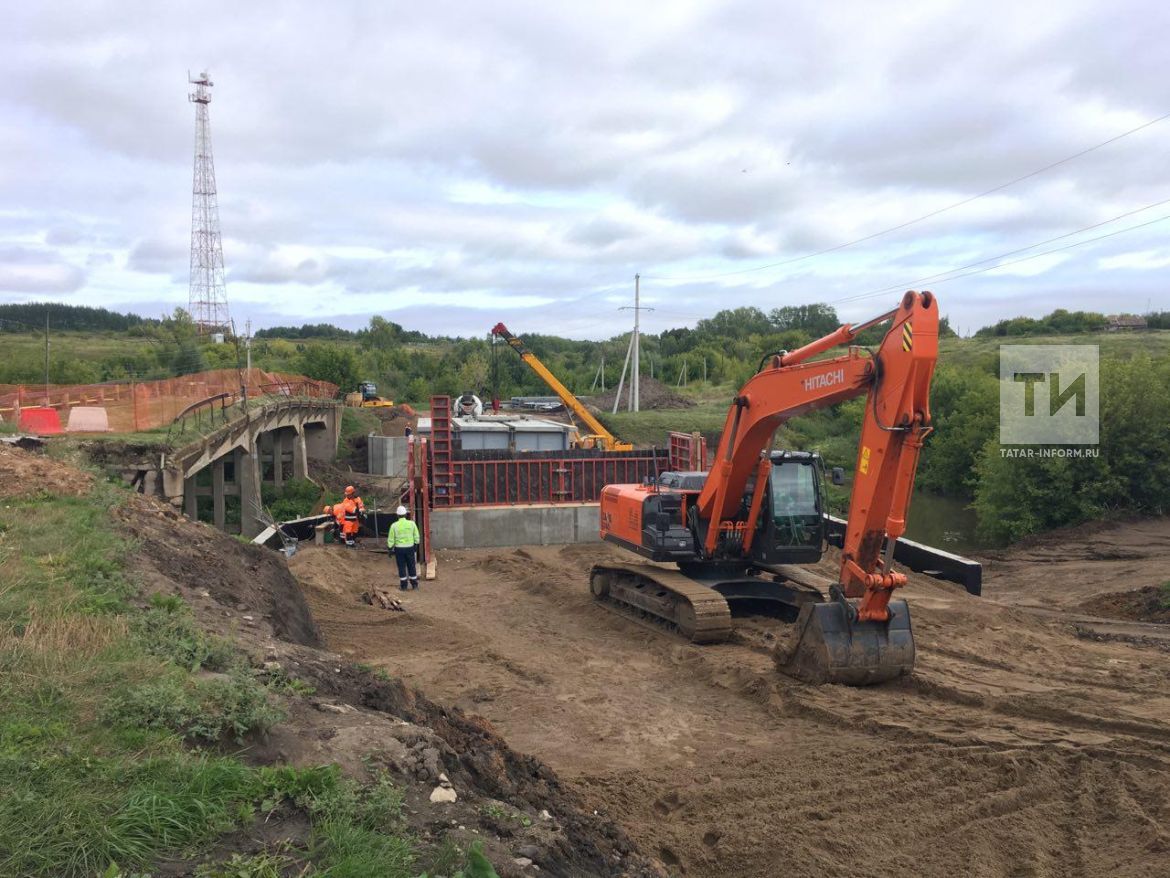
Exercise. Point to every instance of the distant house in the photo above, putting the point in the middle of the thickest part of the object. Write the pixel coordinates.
(1125, 323)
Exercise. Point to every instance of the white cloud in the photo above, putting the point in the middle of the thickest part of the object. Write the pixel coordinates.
(1144, 260)
(529, 158)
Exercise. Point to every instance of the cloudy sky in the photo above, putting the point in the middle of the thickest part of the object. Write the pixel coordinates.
(448, 165)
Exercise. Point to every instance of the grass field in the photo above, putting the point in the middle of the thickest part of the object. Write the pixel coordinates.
(651, 426)
(87, 346)
(982, 352)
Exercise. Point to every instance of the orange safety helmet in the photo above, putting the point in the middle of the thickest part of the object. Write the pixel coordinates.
(349, 490)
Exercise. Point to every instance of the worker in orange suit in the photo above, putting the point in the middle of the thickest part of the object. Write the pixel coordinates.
(352, 494)
(350, 521)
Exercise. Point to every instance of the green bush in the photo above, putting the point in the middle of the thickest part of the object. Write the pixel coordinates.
(208, 709)
(296, 499)
(170, 632)
(964, 407)
(1015, 497)
(330, 362)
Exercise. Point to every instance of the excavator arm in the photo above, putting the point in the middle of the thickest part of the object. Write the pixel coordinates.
(606, 439)
(896, 381)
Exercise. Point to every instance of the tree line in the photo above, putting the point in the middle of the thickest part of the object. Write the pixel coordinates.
(1013, 497)
(75, 318)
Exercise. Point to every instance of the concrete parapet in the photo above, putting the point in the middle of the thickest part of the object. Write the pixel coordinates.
(531, 525)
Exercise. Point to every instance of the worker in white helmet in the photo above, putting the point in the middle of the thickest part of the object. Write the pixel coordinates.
(402, 541)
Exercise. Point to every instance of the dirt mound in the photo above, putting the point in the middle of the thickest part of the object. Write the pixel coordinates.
(27, 474)
(653, 394)
(1148, 604)
(395, 419)
(254, 581)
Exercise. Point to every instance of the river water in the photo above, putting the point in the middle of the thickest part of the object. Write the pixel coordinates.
(943, 522)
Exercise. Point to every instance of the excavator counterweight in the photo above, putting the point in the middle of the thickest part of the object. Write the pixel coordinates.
(739, 536)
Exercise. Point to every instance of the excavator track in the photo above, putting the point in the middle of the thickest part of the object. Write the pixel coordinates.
(825, 644)
(664, 598)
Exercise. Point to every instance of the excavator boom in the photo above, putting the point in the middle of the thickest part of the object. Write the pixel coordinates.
(596, 429)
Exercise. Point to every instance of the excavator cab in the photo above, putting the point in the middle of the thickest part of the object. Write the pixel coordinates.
(792, 528)
(791, 532)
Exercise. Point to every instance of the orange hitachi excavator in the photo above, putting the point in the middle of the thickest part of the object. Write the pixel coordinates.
(734, 538)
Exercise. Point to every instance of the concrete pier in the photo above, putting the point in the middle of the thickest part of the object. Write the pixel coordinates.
(529, 525)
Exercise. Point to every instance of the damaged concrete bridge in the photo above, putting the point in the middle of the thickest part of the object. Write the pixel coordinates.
(219, 476)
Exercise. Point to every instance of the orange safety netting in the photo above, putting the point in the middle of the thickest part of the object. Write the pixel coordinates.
(144, 405)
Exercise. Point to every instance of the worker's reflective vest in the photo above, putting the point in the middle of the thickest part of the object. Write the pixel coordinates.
(403, 534)
(351, 510)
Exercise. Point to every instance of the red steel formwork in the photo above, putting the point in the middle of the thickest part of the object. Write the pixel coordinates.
(688, 452)
(500, 478)
(443, 485)
(418, 493)
(495, 478)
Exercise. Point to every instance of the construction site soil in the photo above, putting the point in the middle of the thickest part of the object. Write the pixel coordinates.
(1033, 739)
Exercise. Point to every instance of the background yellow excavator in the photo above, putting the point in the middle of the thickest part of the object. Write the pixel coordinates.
(366, 397)
(596, 436)
(737, 538)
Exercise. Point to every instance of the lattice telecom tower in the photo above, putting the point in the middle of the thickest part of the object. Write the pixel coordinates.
(208, 294)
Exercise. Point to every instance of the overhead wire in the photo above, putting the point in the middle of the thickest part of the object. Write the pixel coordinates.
(962, 273)
(916, 220)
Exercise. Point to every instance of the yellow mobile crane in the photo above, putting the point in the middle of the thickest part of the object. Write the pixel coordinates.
(598, 437)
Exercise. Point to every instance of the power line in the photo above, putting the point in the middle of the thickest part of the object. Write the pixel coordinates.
(912, 283)
(922, 218)
(943, 274)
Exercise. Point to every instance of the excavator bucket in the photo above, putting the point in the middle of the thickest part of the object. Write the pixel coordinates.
(828, 645)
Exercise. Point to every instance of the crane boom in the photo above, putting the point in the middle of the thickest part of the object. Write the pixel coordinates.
(597, 431)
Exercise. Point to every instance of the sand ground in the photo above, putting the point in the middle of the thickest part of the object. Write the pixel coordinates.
(1031, 740)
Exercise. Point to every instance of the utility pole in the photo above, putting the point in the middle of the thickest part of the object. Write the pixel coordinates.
(704, 370)
(600, 376)
(248, 344)
(46, 356)
(622, 381)
(635, 347)
(637, 342)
